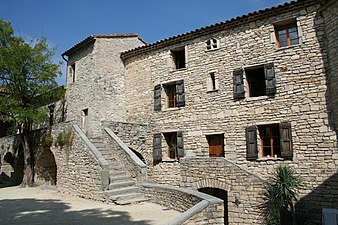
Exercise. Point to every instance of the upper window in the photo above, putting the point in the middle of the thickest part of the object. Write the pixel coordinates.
(212, 82)
(71, 71)
(174, 95)
(216, 145)
(260, 81)
(212, 44)
(274, 141)
(287, 33)
(179, 58)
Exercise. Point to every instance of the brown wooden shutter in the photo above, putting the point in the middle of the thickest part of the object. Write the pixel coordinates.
(157, 148)
(180, 148)
(270, 80)
(157, 97)
(238, 84)
(286, 140)
(251, 143)
(180, 95)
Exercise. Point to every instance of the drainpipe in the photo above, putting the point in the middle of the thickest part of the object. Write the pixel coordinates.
(63, 56)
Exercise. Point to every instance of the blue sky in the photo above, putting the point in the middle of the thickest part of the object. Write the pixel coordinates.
(67, 22)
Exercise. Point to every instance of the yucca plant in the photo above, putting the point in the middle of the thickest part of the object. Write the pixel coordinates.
(280, 196)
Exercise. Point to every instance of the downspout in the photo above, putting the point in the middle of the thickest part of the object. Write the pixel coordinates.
(63, 57)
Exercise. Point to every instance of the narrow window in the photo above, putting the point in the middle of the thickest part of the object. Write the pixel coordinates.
(51, 114)
(84, 120)
(175, 94)
(212, 83)
(171, 140)
(72, 72)
(270, 140)
(287, 33)
(212, 44)
(216, 145)
(179, 58)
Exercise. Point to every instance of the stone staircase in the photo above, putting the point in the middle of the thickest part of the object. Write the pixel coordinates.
(122, 189)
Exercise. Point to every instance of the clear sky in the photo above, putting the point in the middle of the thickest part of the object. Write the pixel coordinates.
(67, 22)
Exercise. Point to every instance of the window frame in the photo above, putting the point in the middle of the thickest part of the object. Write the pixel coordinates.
(71, 71)
(286, 26)
(275, 151)
(219, 139)
(174, 94)
(179, 58)
(212, 44)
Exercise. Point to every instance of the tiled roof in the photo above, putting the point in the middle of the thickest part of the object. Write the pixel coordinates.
(92, 38)
(256, 15)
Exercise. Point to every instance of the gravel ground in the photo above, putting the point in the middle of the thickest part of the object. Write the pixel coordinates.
(44, 205)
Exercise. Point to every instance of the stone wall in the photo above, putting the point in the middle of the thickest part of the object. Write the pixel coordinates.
(301, 99)
(98, 89)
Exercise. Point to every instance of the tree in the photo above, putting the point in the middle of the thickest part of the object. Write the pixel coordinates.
(280, 196)
(27, 76)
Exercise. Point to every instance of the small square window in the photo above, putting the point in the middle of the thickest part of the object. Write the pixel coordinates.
(287, 33)
(212, 44)
(216, 145)
(179, 58)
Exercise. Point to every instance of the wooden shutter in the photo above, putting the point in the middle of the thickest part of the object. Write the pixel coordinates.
(180, 95)
(270, 80)
(238, 84)
(180, 148)
(157, 97)
(157, 148)
(285, 140)
(251, 143)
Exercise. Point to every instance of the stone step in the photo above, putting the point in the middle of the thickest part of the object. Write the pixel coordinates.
(122, 191)
(118, 178)
(128, 198)
(120, 184)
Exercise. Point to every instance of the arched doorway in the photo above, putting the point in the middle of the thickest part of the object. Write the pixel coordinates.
(221, 194)
(45, 168)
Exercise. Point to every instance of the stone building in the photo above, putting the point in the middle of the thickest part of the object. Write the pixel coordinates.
(214, 110)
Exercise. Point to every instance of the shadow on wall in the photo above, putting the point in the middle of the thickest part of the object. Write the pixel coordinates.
(37, 211)
(324, 196)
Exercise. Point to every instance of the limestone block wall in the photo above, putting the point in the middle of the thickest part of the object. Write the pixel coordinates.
(97, 92)
(301, 99)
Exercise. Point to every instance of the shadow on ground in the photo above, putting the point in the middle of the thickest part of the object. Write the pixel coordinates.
(35, 211)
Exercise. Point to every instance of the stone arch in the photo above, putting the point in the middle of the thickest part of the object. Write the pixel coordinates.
(210, 183)
(45, 168)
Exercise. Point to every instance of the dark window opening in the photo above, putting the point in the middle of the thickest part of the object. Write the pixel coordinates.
(221, 194)
(287, 34)
(213, 81)
(51, 114)
(171, 140)
(256, 82)
(175, 95)
(170, 91)
(212, 44)
(179, 58)
(270, 140)
(216, 145)
(72, 71)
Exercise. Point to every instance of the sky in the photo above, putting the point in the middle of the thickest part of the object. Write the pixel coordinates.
(65, 23)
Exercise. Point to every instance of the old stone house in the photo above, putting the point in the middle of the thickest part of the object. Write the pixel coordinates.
(214, 110)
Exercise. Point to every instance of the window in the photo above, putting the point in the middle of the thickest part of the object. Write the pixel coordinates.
(175, 95)
(216, 145)
(212, 44)
(174, 146)
(71, 71)
(274, 141)
(287, 33)
(270, 140)
(260, 81)
(179, 58)
(84, 120)
(51, 114)
(212, 82)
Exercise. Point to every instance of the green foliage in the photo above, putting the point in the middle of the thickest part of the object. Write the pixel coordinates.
(27, 76)
(64, 139)
(280, 194)
(47, 141)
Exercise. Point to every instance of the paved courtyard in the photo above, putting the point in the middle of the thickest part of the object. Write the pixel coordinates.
(28, 206)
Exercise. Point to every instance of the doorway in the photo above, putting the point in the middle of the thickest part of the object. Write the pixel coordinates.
(221, 194)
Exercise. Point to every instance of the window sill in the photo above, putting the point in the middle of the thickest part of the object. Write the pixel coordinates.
(178, 70)
(288, 47)
(269, 159)
(248, 99)
(211, 91)
(170, 160)
(211, 50)
(171, 109)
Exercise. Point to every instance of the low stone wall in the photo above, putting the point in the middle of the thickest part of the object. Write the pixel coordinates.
(196, 207)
